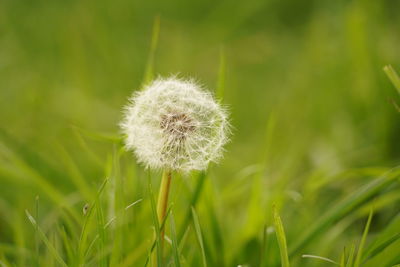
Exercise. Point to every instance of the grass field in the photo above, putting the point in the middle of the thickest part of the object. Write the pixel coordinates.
(310, 176)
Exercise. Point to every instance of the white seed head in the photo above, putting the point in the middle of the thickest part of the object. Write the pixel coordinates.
(174, 124)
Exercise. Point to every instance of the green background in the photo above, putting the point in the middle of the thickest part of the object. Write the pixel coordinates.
(311, 108)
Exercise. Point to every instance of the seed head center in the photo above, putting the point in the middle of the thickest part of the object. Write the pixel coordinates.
(177, 124)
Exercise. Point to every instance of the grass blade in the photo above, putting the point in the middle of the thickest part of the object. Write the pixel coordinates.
(320, 258)
(101, 233)
(82, 238)
(21, 168)
(193, 201)
(67, 242)
(266, 246)
(199, 236)
(37, 232)
(280, 235)
(362, 243)
(344, 207)
(217, 246)
(149, 72)
(153, 246)
(254, 219)
(174, 241)
(380, 247)
(394, 261)
(156, 223)
(350, 259)
(342, 259)
(74, 173)
(394, 78)
(46, 241)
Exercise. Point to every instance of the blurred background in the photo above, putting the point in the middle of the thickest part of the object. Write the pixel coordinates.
(303, 82)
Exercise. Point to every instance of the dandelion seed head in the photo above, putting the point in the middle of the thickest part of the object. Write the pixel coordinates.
(175, 124)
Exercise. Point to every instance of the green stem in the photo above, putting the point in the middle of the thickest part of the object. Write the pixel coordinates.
(162, 202)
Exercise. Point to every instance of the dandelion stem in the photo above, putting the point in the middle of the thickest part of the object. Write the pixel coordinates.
(162, 202)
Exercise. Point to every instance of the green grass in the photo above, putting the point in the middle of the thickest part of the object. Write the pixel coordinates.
(199, 236)
(280, 235)
(46, 241)
(315, 133)
(175, 248)
(357, 263)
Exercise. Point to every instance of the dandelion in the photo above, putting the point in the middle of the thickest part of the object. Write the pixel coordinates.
(174, 125)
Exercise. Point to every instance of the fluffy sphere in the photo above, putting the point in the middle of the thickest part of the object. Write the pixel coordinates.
(174, 124)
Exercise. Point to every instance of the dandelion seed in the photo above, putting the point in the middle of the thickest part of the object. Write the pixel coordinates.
(174, 124)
